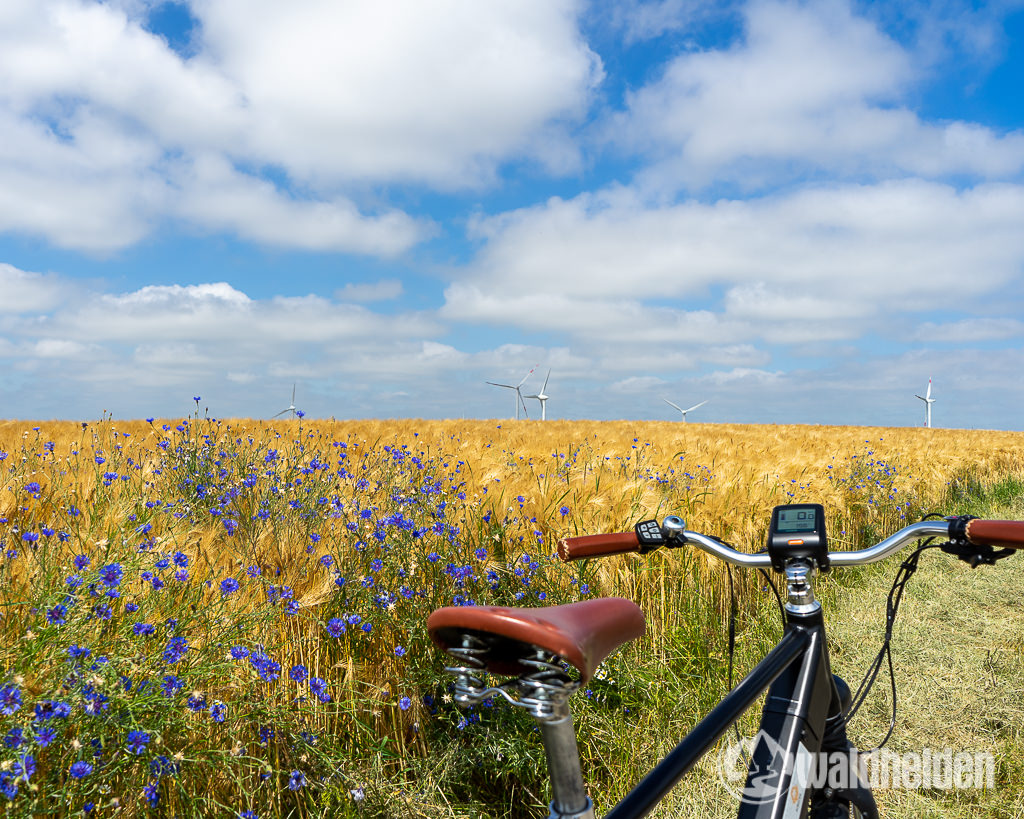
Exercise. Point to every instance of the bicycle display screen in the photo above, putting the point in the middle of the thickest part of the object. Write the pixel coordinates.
(798, 519)
(797, 531)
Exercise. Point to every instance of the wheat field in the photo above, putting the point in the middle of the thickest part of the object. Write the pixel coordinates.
(228, 614)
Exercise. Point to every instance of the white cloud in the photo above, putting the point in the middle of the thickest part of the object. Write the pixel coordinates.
(971, 330)
(811, 86)
(108, 131)
(637, 384)
(25, 292)
(826, 262)
(401, 90)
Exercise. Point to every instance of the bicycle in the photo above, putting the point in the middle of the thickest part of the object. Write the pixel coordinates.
(804, 716)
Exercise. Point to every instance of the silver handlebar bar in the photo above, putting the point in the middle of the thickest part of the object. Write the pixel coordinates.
(893, 543)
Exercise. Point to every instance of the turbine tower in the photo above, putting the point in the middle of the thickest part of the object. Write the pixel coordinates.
(519, 394)
(290, 408)
(684, 411)
(928, 401)
(540, 396)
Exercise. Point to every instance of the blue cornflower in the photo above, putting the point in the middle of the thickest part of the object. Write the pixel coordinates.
(228, 586)
(74, 580)
(144, 629)
(267, 668)
(24, 767)
(14, 737)
(111, 574)
(80, 769)
(45, 735)
(81, 562)
(175, 650)
(218, 711)
(367, 627)
(196, 702)
(29, 537)
(10, 699)
(171, 685)
(481, 553)
(336, 627)
(327, 561)
(137, 741)
(299, 673)
(162, 766)
(239, 652)
(404, 703)
(152, 793)
(247, 814)
(57, 616)
(296, 781)
(399, 651)
(563, 511)
(376, 565)
(180, 560)
(433, 557)
(319, 688)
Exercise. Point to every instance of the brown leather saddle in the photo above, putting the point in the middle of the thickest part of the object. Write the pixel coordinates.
(583, 633)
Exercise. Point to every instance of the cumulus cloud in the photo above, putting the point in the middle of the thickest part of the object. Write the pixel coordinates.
(820, 263)
(109, 132)
(25, 292)
(809, 86)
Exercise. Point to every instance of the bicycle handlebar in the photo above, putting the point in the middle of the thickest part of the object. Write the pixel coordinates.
(999, 533)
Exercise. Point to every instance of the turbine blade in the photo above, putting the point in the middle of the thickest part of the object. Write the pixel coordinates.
(546, 377)
(525, 377)
(672, 405)
(928, 394)
(695, 406)
(496, 384)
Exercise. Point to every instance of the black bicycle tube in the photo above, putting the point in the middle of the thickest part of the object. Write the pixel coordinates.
(652, 788)
(791, 729)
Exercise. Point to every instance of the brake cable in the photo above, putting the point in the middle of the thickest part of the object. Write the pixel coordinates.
(892, 607)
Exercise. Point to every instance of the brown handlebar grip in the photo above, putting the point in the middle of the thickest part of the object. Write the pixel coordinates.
(1003, 533)
(613, 543)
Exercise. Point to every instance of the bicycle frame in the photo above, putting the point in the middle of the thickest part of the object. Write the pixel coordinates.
(802, 700)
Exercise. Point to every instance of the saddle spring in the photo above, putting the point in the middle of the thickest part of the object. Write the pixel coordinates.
(543, 691)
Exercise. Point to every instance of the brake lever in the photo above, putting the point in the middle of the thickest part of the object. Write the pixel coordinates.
(975, 555)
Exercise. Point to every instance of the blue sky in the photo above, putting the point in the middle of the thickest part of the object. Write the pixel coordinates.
(797, 212)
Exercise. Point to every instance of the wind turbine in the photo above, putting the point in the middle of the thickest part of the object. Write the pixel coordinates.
(540, 396)
(928, 401)
(291, 407)
(684, 411)
(519, 394)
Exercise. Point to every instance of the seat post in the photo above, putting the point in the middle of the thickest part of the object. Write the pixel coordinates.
(569, 796)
